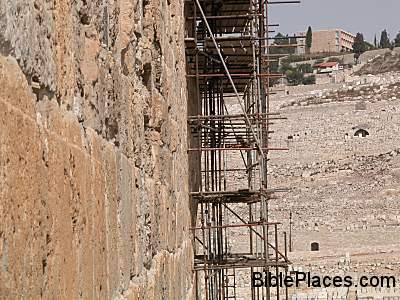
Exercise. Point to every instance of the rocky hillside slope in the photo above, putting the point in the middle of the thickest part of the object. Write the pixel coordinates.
(389, 62)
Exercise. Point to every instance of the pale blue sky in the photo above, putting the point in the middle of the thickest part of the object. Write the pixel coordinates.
(366, 16)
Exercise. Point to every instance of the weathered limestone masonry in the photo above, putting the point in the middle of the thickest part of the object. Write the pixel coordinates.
(93, 158)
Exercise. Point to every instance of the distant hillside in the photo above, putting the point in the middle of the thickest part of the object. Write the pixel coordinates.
(388, 62)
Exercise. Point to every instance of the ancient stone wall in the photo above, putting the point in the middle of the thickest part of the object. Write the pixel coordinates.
(93, 161)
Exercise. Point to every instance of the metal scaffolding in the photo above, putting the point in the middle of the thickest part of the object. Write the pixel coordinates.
(227, 50)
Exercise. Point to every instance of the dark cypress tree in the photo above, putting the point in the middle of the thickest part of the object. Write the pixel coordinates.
(385, 42)
(308, 39)
(397, 40)
(359, 45)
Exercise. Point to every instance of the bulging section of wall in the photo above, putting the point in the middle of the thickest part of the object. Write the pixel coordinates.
(93, 158)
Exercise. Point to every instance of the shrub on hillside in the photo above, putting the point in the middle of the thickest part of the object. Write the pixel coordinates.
(309, 80)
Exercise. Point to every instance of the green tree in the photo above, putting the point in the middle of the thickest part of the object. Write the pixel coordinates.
(375, 42)
(397, 40)
(309, 38)
(280, 40)
(305, 68)
(294, 76)
(359, 46)
(385, 42)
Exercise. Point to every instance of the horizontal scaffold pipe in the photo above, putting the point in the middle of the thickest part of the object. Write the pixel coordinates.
(236, 148)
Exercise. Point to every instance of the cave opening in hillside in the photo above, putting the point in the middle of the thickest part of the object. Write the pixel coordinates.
(361, 133)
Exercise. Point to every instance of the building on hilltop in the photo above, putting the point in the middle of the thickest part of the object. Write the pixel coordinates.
(327, 41)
